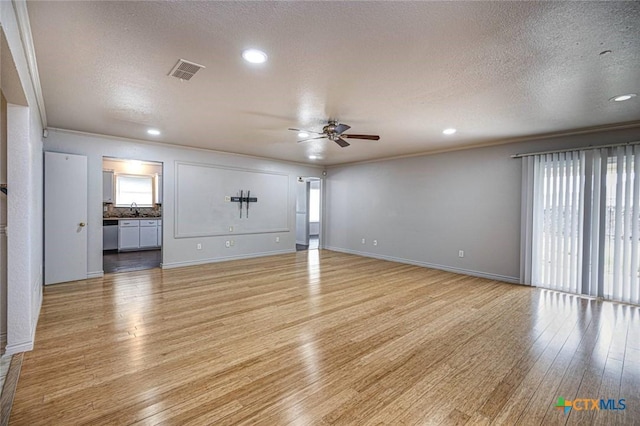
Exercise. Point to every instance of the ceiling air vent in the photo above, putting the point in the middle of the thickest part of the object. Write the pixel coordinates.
(184, 70)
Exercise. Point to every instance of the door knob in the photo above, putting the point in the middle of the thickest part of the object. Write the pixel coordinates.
(82, 224)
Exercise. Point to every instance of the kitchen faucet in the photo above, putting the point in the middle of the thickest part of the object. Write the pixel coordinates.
(134, 207)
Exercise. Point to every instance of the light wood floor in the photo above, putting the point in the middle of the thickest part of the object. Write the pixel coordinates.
(320, 337)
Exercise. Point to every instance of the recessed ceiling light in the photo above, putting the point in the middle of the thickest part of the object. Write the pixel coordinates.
(303, 135)
(254, 56)
(449, 131)
(153, 132)
(313, 157)
(621, 98)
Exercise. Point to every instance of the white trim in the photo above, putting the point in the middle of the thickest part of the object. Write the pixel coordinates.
(24, 346)
(223, 259)
(22, 16)
(497, 277)
(20, 347)
(95, 274)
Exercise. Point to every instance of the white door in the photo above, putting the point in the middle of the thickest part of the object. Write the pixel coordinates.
(302, 213)
(65, 217)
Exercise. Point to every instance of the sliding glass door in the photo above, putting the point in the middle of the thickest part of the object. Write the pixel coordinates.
(583, 222)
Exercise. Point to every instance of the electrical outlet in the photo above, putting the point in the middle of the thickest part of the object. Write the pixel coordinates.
(198, 246)
(232, 242)
(461, 253)
(227, 198)
(364, 241)
(231, 229)
(277, 239)
(375, 242)
(227, 244)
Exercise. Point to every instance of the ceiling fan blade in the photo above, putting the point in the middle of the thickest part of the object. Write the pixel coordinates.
(369, 137)
(342, 128)
(306, 131)
(310, 139)
(342, 142)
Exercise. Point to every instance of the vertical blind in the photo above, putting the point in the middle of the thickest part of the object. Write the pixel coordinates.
(558, 220)
(581, 222)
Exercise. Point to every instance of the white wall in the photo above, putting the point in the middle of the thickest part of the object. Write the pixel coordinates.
(125, 167)
(176, 251)
(423, 210)
(24, 179)
(3, 224)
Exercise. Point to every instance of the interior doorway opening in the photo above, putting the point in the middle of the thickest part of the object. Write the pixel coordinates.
(309, 213)
(132, 214)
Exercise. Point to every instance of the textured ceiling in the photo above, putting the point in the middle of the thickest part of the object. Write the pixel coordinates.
(403, 70)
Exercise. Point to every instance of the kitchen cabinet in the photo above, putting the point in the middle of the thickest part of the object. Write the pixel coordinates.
(159, 233)
(107, 186)
(148, 233)
(128, 234)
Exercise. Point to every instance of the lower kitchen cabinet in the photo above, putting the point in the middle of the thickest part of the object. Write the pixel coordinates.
(148, 233)
(139, 233)
(128, 234)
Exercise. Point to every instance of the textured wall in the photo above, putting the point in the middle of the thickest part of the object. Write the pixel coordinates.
(24, 179)
(425, 209)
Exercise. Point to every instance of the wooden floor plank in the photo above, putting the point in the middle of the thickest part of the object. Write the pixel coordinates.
(321, 338)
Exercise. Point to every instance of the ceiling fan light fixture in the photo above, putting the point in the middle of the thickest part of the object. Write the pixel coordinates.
(449, 131)
(254, 56)
(313, 157)
(622, 98)
(303, 135)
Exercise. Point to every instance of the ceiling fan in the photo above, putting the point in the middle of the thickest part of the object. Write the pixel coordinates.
(335, 132)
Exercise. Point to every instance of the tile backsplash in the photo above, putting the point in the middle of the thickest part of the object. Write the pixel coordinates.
(127, 212)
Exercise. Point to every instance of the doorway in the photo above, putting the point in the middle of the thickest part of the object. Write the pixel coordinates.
(308, 213)
(132, 214)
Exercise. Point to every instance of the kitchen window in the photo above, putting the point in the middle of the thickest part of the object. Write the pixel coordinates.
(134, 189)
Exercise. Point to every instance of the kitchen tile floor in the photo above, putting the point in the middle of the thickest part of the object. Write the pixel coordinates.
(131, 260)
(314, 244)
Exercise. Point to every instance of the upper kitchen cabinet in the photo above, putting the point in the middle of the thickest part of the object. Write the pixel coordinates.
(158, 189)
(107, 186)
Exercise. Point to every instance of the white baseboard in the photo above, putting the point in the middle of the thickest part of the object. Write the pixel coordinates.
(223, 259)
(512, 280)
(28, 345)
(96, 274)
(20, 347)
